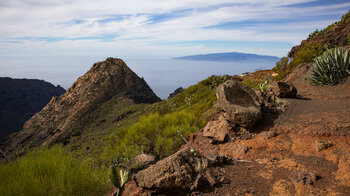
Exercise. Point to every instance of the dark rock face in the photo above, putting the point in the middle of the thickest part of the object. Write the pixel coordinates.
(177, 91)
(239, 102)
(284, 90)
(20, 99)
(62, 116)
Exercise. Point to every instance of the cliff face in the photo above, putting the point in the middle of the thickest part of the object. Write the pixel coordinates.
(63, 116)
(20, 99)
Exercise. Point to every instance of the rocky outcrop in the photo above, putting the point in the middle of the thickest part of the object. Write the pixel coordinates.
(20, 99)
(177, 91)
(239, 102)
(284, 90)
(62, 116)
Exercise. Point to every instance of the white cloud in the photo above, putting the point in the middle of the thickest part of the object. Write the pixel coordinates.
(54, 18)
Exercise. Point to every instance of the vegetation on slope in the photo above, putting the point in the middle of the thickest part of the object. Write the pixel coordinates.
(53, 171)
(156, 133)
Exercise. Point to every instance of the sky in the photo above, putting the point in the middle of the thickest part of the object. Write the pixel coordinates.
(160, 28)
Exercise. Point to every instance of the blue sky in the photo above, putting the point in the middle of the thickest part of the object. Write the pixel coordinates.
(160, 28)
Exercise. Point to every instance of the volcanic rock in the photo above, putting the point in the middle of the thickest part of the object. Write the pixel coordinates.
(239, 102)
(63, 116)
(177, 173)
(284, 90)
(218, 128)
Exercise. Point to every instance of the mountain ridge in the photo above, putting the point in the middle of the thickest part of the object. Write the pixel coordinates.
(63, 116)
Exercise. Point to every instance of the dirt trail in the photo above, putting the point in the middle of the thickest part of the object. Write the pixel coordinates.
(305, 151)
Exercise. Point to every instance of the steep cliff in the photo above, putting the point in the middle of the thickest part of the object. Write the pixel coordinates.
(20, 99)
(64, 116)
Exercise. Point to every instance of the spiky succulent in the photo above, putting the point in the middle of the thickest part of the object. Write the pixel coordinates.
(119, 178)
(330, 68)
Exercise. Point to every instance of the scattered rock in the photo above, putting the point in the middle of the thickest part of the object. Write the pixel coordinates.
(239, 102)
(305, 178)
(269, 134)
(145, 159)
(322, 145)
(284, 90)
(237, 150)
(218, 128)
(177, 91)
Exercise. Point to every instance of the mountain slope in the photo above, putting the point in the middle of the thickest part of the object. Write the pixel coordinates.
(20, 99)
(229, 56)
(64, 116)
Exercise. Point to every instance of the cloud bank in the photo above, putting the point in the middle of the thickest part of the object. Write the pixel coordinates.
(160, 27)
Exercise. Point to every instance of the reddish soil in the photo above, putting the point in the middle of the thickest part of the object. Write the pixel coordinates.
(282, 156)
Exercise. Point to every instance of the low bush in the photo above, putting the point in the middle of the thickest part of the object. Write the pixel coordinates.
(331, 67)
(52, 171)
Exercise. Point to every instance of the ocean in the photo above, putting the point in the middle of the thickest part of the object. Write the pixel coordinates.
(162, 75)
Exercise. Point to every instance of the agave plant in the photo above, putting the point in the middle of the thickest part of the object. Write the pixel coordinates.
(119, 178)
(331, 67)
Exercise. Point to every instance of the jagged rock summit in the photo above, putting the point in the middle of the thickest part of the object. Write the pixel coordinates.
(62, 116)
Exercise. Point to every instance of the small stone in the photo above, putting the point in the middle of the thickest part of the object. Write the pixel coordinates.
(322, 145)
(284, 90)
(269, 134)
(145, 158)
(305, 178)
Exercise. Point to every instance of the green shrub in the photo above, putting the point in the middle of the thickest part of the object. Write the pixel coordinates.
(281, 75)
(282, 64)
(331, 67)
(51, 171)
(251, 84)
(306, 54)
(348, 40)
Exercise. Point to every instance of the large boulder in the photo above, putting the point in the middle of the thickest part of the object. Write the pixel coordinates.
(239, 102)
(177, 172)
(180, 173)
(284, 90)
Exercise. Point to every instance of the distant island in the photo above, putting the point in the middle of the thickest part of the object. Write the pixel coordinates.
(229, 56)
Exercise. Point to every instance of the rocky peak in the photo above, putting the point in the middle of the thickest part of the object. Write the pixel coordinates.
(60, 117)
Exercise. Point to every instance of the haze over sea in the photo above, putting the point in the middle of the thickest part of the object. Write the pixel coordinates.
(163, 75)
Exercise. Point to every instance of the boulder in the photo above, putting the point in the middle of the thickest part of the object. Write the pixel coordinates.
(177, 173)
(284, 90)
(218, 128)
(239, 102)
